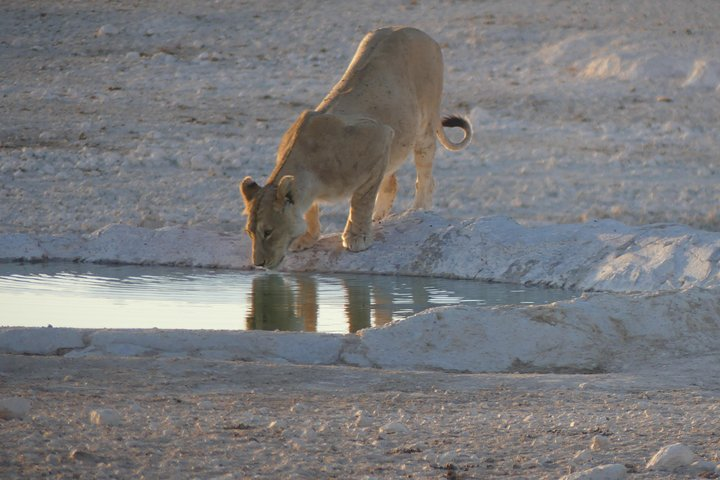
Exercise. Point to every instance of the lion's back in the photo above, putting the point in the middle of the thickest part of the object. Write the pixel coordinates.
(392, 67)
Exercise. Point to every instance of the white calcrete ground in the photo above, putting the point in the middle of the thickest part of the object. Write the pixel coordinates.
(600, 255)
(660, 298)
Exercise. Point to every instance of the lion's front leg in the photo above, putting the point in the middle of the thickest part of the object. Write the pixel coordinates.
(312, 234)
(358, 234)
(385, 197)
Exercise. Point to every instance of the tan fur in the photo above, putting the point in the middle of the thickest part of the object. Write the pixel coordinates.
(385, 106)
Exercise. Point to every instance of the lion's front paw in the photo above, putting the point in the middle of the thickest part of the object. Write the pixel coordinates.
(303, 242)
(357, 242)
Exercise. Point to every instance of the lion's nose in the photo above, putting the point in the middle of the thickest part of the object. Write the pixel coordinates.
(258, 260)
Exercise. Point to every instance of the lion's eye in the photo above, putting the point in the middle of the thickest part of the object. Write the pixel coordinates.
(267, 233)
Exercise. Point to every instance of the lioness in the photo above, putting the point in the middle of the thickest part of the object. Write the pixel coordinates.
(385, 105)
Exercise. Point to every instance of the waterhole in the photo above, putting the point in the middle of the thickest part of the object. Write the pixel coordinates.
(109, 296)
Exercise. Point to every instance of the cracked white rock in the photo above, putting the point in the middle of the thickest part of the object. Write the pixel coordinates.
(671, 457)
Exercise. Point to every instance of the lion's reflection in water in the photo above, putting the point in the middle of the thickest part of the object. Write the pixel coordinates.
(275, 305)
(348, 303)
(290, 302)
(374, 303)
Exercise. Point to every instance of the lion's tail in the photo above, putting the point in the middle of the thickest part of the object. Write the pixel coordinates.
(454, 121)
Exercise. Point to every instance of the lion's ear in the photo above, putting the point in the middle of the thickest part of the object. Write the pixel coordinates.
(248, 189)
(285, 191)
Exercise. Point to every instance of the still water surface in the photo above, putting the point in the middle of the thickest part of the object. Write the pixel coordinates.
(105, 296)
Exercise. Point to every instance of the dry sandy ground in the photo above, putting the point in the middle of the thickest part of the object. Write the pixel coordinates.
(190, 418)
(150, 113)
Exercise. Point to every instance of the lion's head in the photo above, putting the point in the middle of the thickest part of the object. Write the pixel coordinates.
(273, 219)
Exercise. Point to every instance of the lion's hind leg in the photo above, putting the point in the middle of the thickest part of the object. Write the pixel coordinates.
(424, 154)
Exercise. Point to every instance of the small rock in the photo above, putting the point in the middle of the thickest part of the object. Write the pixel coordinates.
(671, 457)
(277, 425)
(362, 419)
(325, 428)
(46, 136)
(14, 407)
(702, 466)
(308, 434)
(583, 457)
(209, 57)
(201, 162)
(162, 58)
(544, 461)
(108, 30)
(296, 444)
(105, 416)
(82, 456)
(599, 442)
(613, 471)
(394, 428)
(252, 420)
(446, 458)
(298, 408)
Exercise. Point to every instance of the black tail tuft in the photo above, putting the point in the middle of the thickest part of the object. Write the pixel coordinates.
(454, 121)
